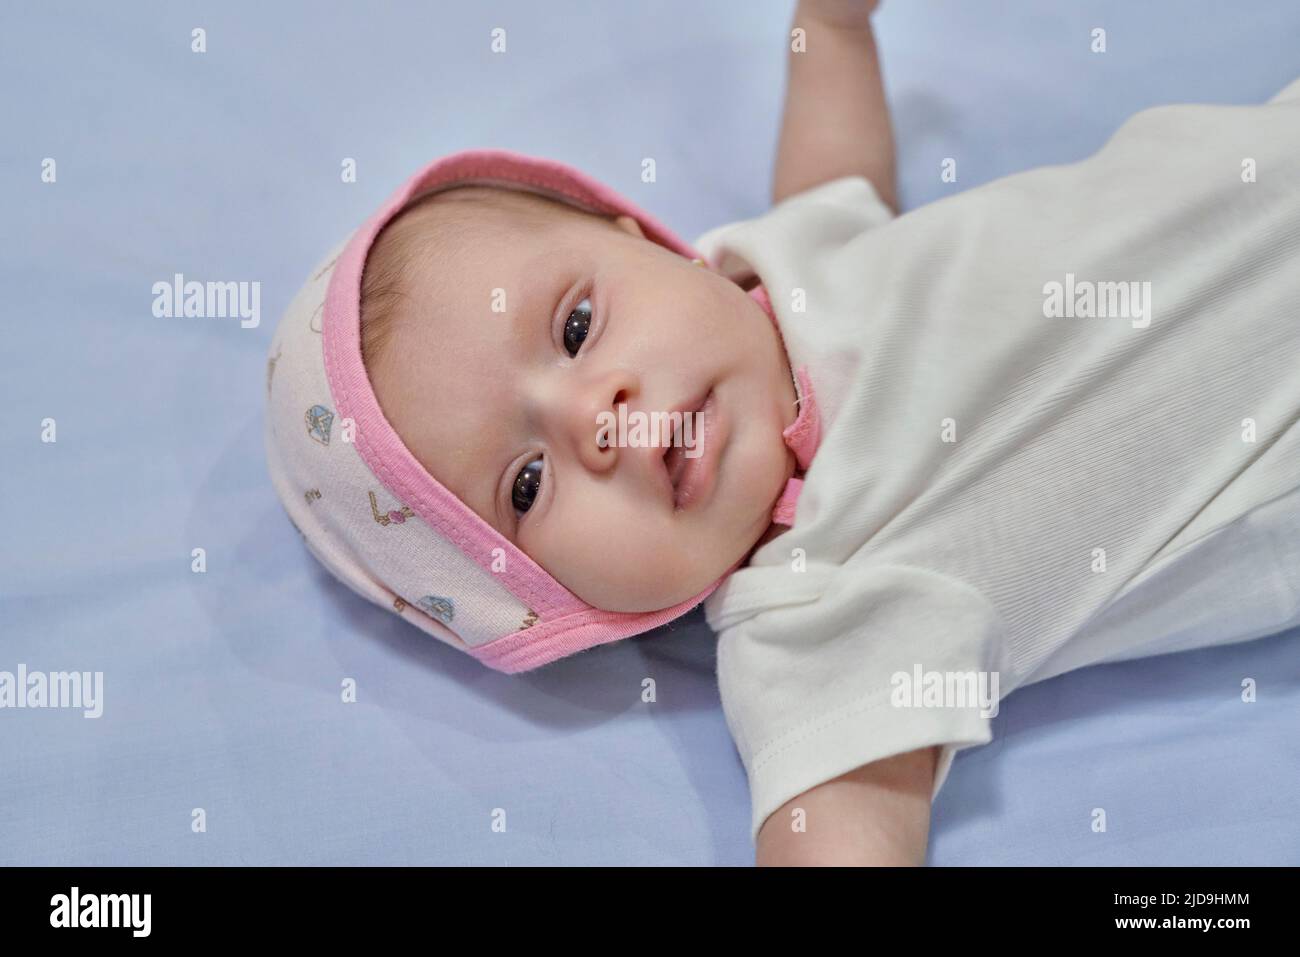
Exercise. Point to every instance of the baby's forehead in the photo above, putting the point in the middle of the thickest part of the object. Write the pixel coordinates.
(452, 253)
(470, 227)
(471, 232)
(497, 208)
(460, 245)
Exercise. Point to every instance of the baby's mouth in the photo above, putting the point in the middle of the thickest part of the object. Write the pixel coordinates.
(675, 462)
(685, 472)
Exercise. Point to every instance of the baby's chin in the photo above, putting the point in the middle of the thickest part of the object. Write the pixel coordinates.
(657, 582)
(630, 597)
(631, 594)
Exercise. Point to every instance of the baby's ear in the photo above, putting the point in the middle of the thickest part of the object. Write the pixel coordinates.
(629, 225)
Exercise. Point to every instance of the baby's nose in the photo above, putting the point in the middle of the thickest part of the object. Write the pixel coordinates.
(596, 422)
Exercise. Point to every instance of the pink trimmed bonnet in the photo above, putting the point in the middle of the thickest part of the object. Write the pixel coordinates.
(371, 513)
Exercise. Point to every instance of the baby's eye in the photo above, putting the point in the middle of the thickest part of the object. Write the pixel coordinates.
(576, 326)
(527, 483)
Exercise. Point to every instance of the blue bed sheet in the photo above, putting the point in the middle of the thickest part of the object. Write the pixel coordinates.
(223, 689)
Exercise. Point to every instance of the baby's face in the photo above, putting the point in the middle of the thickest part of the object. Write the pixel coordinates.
(503, 407)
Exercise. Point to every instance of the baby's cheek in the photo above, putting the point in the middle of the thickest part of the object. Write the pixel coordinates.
(616, 558)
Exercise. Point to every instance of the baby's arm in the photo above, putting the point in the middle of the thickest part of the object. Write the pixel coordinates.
(836, 120)
(878, 814)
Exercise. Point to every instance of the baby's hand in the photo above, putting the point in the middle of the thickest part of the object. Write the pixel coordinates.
(839, 13)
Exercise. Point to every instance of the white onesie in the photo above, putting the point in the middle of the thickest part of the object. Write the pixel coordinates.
(1060, 426)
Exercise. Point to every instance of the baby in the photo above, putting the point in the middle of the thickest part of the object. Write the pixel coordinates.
(909, 463)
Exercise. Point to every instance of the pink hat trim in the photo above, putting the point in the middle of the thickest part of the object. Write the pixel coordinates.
(566, 624)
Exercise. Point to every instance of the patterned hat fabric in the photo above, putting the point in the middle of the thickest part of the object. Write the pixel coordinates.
(372, 514)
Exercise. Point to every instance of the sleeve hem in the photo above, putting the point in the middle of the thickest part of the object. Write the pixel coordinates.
(858, 737)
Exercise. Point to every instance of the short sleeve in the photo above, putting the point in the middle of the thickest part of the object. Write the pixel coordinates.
(820, 218)
(815, 688)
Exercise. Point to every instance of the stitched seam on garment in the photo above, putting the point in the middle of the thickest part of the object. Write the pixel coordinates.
(812, 727)
(532, 599)
(385, 475)
(1152, 570)
(543, 605)
(1236, 519)
(820, 722)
